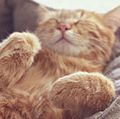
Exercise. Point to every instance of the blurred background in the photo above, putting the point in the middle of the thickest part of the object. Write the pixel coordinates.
(93, 5)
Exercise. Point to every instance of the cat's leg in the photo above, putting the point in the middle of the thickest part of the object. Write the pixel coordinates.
(83, 93)
(16, 56)
(15, 104)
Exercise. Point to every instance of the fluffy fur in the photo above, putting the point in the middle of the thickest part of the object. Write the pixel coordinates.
(38, 75)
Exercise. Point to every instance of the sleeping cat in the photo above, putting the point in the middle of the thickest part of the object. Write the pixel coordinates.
(59, 74)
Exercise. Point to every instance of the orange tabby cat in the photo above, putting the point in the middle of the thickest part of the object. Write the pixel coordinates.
(54, 77)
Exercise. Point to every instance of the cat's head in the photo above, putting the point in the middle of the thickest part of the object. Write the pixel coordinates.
(79, 32)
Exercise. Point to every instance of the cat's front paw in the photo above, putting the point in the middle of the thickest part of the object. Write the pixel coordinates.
(16, 56)
(83, 93)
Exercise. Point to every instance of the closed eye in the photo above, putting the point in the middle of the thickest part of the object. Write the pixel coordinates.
(53, 20)
(95, 35)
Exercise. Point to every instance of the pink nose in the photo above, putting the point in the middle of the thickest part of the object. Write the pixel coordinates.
(63, 27)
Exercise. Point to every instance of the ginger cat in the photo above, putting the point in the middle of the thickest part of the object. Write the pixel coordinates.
(59, 74)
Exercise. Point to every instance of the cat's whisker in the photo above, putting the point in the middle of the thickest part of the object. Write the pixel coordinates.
(74, 37)
(74, 33)
(100, 47)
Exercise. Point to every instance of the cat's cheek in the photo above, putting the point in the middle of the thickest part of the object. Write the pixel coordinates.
(50, 37)
(56, 35)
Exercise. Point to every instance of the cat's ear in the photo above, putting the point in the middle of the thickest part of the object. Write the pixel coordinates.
(112, 18)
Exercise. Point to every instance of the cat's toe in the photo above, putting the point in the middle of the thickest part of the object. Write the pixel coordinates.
(25, 40)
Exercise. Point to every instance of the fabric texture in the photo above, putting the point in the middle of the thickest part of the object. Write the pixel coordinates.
(112, 112)
(18, 15)
(6, 25)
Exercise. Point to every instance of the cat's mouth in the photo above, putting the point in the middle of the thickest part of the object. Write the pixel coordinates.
(63, 40)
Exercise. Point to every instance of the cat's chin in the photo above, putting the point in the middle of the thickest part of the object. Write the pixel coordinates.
(68, 50)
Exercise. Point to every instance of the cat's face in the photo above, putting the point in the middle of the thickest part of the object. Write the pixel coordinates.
(75, 32)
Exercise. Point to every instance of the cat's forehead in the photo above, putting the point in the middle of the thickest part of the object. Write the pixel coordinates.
(68, 15)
